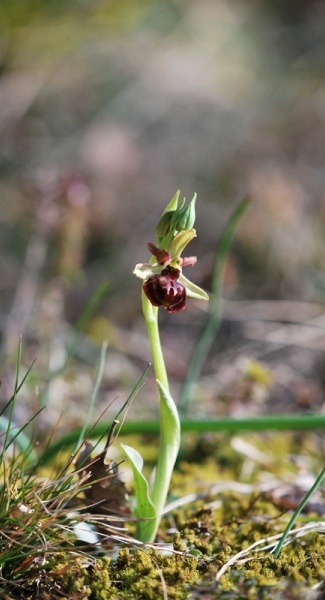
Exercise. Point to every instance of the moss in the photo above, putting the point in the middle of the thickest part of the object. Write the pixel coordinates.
(209, 532)
(149, 574)
(68, 576)
(237, 523)
(295, 564)
(99, 580)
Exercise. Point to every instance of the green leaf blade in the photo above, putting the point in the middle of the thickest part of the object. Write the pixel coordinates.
(145, 510)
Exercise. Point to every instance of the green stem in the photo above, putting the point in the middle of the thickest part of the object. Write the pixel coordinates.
(169, 425)
(151, 317)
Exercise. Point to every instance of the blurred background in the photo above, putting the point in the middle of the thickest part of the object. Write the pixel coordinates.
(106, 109)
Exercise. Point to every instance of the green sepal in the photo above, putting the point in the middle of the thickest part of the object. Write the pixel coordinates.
(193, 290)
(180, 241)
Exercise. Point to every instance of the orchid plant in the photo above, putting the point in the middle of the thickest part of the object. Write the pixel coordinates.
(164, 285)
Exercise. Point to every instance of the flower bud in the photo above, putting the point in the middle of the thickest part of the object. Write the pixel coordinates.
(186, 216)
(165, 225)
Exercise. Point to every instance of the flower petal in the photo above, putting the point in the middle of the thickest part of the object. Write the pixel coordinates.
(189, 261)
(161, 255)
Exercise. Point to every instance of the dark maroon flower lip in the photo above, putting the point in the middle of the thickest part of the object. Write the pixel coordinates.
(165, 290)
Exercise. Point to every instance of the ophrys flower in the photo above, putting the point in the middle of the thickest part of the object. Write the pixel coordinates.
(164, 282)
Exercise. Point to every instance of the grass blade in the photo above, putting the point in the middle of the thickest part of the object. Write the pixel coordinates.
(94, 432)
(297, 512)
(265, 423)
(95, 392)
(6, 423)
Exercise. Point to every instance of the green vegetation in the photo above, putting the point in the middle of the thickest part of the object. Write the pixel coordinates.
(69, 529)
